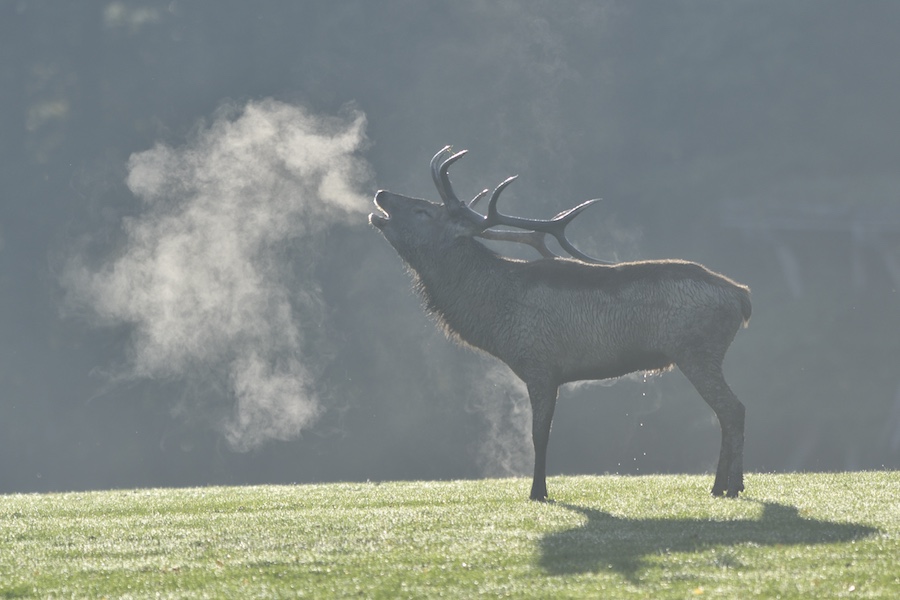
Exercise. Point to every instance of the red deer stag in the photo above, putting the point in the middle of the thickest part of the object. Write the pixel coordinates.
(557, 320)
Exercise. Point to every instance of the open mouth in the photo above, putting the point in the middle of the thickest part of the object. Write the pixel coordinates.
(379, 219)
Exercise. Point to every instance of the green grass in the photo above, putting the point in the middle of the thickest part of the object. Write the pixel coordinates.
(789, 536)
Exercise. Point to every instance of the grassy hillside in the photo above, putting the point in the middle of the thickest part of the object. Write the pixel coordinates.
(798, 535)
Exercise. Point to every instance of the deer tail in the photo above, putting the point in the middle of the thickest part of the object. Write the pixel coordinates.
(745, 305)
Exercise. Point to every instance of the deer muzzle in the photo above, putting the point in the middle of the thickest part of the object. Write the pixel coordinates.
(379, 219)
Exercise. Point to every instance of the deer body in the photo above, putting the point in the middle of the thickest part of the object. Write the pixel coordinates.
(556, 320)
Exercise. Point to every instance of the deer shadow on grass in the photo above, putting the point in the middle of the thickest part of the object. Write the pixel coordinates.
(608, 542)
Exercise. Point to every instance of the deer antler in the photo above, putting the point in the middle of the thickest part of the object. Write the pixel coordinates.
(536, 230)
(442, 183)
(555, 226)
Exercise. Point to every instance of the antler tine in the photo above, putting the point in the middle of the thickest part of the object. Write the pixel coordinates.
(439, 170)
(478, 197)
(439, 173)
(493, 214)
(563, 219)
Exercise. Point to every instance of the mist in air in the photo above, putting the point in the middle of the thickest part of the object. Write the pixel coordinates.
(190, 293)
(203, 280)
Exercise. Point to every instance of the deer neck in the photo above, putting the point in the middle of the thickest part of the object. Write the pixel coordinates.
(468, 288)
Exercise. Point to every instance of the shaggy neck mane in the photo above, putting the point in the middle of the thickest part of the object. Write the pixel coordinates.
(464, 287)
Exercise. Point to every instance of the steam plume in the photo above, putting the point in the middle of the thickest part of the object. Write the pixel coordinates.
(203, 279)
(506, 449)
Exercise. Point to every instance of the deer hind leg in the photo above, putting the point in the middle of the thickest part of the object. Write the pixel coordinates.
(707, 378)
(543, 402)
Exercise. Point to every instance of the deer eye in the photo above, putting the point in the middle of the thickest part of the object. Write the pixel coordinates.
(421, 212)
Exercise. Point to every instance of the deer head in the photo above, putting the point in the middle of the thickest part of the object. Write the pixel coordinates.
(408, 223)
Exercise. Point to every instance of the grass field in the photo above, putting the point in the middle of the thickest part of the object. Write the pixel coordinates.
(789, 536)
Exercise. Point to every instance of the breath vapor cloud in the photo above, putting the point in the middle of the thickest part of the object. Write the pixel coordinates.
(204, 279)
(505, 450)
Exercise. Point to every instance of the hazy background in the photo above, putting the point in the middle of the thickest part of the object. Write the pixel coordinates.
(190, 294)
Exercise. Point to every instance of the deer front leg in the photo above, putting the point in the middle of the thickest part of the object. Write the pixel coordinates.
(543, 402)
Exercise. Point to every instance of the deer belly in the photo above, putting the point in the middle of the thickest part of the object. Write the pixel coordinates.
(617, 366)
